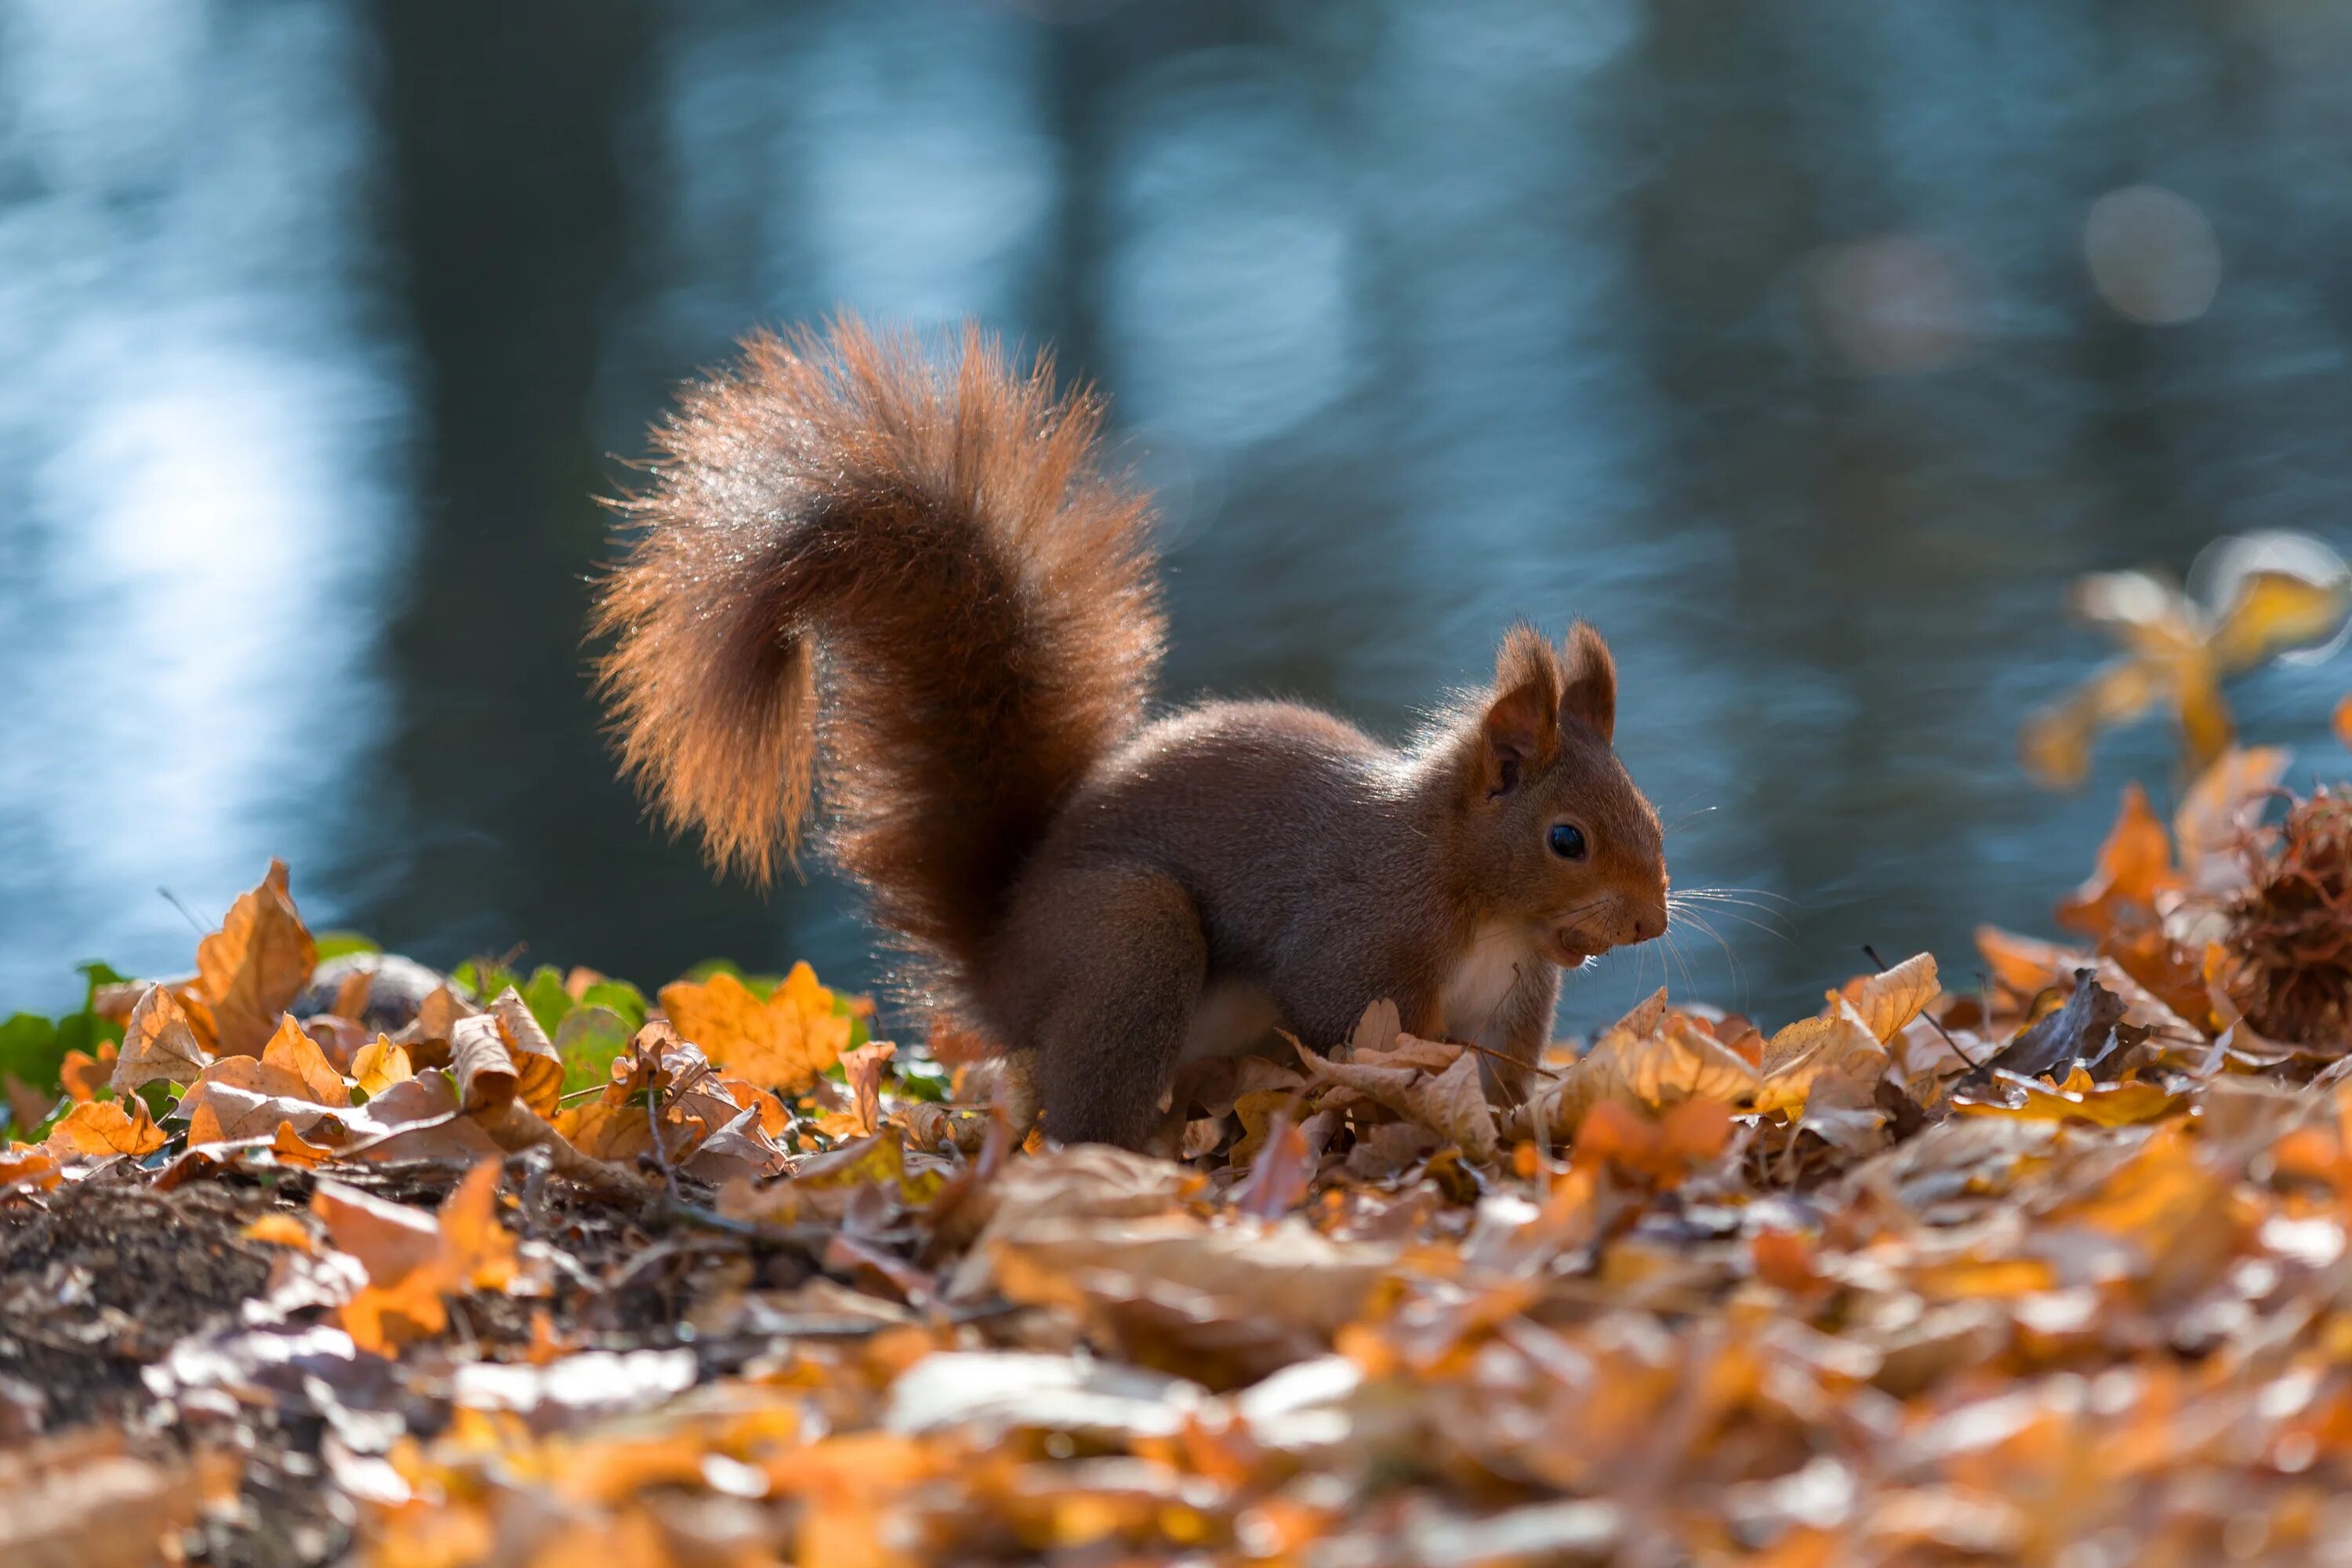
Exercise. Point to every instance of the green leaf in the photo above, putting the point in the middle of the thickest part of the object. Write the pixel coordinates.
(544, 995)
(483, 979)
(621, 997)
(99, 973)
(920, 1077)
(341, 944)
(30, 1049)
(590, 1041)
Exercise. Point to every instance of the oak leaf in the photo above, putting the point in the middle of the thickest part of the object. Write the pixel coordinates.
(784, 1043)
(254, 966)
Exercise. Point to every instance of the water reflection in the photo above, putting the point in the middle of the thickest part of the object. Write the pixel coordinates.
(195, 517)
(1810, 352)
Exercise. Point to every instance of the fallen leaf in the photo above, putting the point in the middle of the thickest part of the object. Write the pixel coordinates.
(252, 968)
(84, 1075)
(30, 1164)
(862, 1069)
(2077, 1032)
(502, 1055)
(1452, 1103)
(100, 1128)
(2213, 818)
(784, 1043)
(1651, 1061)
(1664, 1150)
(1885, 1002)
(2134, 865)
(380, 1065)
(279, 1230)
(158, 1044)
(295, 1053)
(2117, 1104)
(1836, 1060)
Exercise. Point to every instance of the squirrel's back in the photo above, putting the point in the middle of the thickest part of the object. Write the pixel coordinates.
(933, 543)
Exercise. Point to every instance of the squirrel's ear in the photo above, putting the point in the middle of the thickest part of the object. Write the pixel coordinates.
(1520, 729)
(1590, 695)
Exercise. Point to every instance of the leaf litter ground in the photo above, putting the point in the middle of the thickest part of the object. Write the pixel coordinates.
(315, 1254)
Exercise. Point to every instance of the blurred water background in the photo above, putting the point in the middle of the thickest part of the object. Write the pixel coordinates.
(1808, 347)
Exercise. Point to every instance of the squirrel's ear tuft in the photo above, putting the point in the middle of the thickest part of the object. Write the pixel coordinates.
(1590, 695)
(1520, 731)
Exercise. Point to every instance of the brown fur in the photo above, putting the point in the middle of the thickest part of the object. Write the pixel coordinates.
(935, 552)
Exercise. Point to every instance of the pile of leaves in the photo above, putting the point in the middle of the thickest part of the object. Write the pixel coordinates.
(305, 1259)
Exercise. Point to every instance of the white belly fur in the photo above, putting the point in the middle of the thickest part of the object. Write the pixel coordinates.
(1497, 957)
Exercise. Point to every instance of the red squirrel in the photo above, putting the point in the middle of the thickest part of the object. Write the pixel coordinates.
(915, 582)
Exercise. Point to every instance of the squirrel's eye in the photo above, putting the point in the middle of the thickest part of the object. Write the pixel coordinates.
(1567, 840)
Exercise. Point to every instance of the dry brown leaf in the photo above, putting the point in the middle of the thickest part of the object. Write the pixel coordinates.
(1452, 1103)
(502, 1055)
(103, 1128)
(254, 966)
(84, 1075)
(381, 1064)
(1883, 1002)
(414, 1260)
(862, 1071)
(2135, 865)
(1675, 1059)
(158, 1044)
(540, 1070)
(1836, 1060)
(221, 1109)
(294, 1052)
(784, 1043)
(29, 1163)
(2211, 820)
(85, 1499)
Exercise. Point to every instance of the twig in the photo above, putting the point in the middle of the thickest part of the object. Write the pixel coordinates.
(1933, 1022)
(187, 914)
(661, 1155)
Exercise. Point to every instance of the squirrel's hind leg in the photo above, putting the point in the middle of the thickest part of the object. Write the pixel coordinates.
(1114, 966)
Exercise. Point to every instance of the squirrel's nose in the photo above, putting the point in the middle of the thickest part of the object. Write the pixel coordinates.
(1648, 923)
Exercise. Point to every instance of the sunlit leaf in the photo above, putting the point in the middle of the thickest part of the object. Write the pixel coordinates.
(252, 968)
(157, 1045)
(783, 1042)
(100, 1128)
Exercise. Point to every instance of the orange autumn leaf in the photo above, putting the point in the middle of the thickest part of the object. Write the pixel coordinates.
(254, 965)
(502, 1054)
(293, 1052)
(414, 1260)
(84, 1075)
(100, 1128)
(2135, 865)
(380, 1065)
(159, 1042)
(2344, 722)
(31, 1164)
(279, 1230)
(783, 1043)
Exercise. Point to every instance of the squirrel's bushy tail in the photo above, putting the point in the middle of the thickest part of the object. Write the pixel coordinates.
(932, 548)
